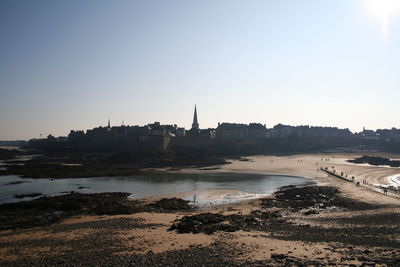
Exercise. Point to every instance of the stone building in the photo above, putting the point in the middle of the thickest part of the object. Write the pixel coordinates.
(240, 132)
(153, 137)
(389, 134)
(232, 131)
(284, 131)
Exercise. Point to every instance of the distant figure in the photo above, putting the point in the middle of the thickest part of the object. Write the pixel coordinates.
(194, 199)
(385, 191)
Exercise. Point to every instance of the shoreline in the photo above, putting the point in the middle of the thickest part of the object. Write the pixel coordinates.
(395, 180)
(308, 166)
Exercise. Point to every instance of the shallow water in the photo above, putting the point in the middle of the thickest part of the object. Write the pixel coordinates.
(149, 185)
(395, 180)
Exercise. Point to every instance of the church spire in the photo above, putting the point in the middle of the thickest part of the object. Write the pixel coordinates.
(108, 123)
(195, 124)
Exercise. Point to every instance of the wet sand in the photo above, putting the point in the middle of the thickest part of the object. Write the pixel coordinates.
(332, 236)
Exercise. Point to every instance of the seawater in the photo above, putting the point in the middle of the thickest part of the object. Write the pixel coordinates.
(395, 180)
(150, 184)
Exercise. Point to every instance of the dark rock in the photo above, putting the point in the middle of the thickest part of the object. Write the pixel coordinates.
(28, 195)
(309, 212)
(209, 223)
(16, 182)
(376, 161)
(278, 256)
(298, 198)
(367, 251)
(48, 210)
(171, 204)
(320, 197)
(83, 187)
(112, 208)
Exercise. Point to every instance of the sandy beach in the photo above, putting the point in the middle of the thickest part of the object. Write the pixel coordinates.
(366, 233)
(309, 166)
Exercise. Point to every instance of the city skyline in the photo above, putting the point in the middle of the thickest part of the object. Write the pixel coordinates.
(196, 127)
(74, 65)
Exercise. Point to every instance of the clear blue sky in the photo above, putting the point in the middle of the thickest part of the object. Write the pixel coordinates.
(74, 64)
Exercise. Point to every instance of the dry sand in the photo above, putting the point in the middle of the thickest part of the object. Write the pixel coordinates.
(308, 165)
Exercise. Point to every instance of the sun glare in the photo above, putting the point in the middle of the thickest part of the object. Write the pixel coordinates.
(383, 10)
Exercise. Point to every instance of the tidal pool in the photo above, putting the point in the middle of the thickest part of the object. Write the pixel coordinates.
(245, 185)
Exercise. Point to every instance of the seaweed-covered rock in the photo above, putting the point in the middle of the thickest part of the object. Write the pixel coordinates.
(48, 210)
(312, 199)
(171, 204)
(376, 161)
(112, 208)
(298, 198)
(209, 223)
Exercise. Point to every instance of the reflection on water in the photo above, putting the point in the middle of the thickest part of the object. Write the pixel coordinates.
(147, 185)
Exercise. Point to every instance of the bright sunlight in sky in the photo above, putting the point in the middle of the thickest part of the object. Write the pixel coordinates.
(383, 10)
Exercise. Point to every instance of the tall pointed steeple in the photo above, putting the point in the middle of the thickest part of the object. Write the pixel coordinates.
(195, 124)
(108, 123)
